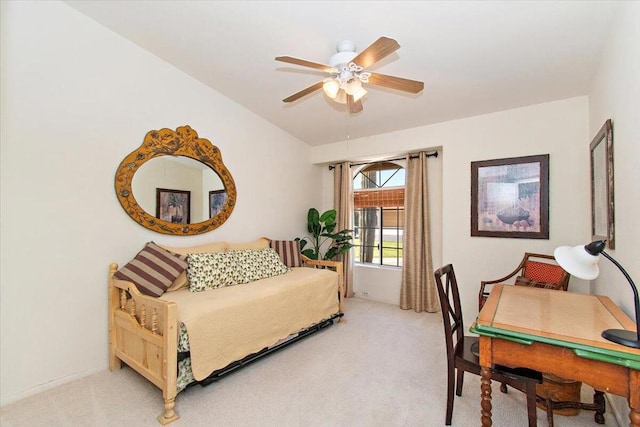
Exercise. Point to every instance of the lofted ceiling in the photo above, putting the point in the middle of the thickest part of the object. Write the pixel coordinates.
(474, 57)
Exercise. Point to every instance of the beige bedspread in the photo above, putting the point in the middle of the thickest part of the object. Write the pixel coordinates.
(227, 324)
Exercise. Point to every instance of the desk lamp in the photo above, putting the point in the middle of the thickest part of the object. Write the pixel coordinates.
(582, 261)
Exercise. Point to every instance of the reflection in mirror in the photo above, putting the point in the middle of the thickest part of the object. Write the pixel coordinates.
(180, 182)
(168, 174)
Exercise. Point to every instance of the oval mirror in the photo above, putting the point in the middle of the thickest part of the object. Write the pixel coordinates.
(176, 183)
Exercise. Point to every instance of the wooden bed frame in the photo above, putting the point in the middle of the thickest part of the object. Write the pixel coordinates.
(143, 333)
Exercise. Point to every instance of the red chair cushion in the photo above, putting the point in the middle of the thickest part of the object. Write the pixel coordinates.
(543, 272)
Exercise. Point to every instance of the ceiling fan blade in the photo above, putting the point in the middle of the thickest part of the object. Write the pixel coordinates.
(398, 83)
(352, 105)
(303, 92)
(304, 63)
(379, 49)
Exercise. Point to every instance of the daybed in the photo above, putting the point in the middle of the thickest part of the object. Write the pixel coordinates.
(182, 337)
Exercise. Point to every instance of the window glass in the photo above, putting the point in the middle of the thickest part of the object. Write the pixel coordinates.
(378, 215)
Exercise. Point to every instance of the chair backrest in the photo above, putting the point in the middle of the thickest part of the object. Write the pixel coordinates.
(544, 272)
(450, 306)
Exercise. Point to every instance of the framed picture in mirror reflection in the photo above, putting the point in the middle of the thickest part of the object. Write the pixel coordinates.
(173, 205)
(217, 199)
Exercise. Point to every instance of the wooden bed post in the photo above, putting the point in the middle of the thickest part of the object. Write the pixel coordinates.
(170, 362)
(114, 304)
(341, 291)
(337, 267)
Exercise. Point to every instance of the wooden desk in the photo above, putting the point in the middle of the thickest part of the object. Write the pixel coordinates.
(559, 333)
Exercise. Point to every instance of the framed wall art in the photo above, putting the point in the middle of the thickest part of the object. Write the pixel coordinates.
(217, 199)
(510, 197)
(602, 207)
(173, 205)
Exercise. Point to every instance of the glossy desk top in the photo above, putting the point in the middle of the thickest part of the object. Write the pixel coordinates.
(567, 319)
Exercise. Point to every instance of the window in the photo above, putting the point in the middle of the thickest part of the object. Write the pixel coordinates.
(378, 215)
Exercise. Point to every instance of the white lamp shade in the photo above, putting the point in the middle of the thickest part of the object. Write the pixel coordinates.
(577, 261)
(331, 87)
(341, 97)
(359, 92)
(352, 86)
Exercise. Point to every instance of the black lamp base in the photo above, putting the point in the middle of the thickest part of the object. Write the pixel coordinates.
(620, 336)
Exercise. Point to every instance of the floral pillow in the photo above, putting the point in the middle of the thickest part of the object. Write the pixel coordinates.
(259, 264)
(212, 270)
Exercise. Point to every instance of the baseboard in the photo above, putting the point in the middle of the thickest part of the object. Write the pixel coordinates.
(7, 400)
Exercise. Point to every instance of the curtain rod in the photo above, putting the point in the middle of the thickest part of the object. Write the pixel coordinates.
(434, 154)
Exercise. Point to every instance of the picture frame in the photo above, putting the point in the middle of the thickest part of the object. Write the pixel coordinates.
(217, 199)
(173, 206)
(510, 197)
(602, 196)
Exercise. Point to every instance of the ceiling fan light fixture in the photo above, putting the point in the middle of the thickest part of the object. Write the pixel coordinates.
(331, 87)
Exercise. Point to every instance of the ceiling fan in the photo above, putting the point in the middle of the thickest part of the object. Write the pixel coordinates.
(348, 71)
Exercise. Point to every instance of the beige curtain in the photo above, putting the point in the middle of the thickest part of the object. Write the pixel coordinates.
(418, 289)
(343, 204)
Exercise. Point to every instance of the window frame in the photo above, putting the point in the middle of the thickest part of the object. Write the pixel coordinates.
(380, 227)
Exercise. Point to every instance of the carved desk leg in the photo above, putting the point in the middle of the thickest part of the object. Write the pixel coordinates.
(485, 390)
(598, 402)
(634, 398)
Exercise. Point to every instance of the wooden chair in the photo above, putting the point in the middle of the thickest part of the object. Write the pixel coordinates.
(462, 351)
(539, 270)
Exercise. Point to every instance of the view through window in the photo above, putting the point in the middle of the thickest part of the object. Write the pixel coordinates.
(378, 216)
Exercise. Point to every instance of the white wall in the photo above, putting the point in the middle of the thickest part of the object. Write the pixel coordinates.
(615, 95)
(77, 98)
(557, 128)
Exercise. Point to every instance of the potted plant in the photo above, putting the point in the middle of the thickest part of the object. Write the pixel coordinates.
(322, 230)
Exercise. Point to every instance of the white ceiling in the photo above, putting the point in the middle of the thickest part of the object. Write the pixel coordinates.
(474, 57)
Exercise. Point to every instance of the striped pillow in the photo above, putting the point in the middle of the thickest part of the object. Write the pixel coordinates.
(153, 270)
(289, 251)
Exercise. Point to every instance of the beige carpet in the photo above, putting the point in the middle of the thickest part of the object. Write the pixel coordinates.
(384, 367)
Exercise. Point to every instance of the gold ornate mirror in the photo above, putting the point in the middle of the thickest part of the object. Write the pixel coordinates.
(185, 190)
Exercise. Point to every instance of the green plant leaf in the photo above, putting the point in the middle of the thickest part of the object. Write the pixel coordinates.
(330, 227)
(313, 221)
(309, 253)
(329, 217)
(344, 249)
(331, 253)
